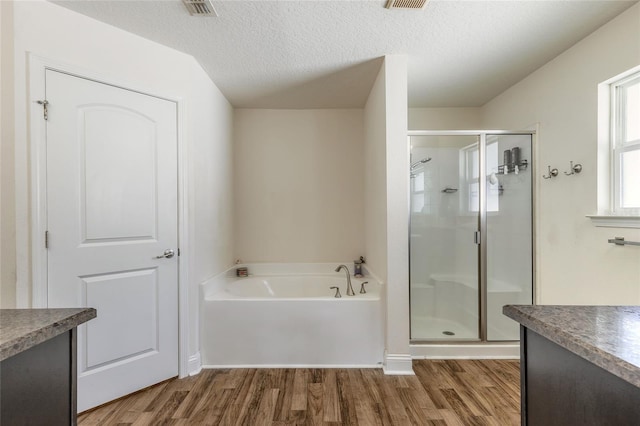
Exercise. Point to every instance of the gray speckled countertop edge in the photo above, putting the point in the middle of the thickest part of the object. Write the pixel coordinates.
(602, 358)
(53, 323)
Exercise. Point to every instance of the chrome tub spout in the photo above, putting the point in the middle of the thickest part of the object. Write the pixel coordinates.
(350, 291)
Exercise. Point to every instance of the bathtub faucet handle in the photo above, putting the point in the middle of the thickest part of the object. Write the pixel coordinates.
(362, 290)
(337, 291)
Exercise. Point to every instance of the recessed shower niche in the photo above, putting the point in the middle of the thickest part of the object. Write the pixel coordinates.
(471, 234)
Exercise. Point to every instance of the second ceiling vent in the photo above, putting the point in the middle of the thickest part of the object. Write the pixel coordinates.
(200, 7)
(406, 4)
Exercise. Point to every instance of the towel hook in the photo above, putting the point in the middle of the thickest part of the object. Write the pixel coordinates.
(574, 169)
(552, 173)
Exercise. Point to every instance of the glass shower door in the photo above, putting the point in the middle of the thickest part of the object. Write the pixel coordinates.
(445, 203)
(509, 231)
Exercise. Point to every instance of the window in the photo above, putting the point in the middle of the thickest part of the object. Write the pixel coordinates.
(619, 151)
(417, 192)
(472, 167)
(625, 145)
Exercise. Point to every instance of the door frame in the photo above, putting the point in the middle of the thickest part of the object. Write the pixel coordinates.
(38, 193)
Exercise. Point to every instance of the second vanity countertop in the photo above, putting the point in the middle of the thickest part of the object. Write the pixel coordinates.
(21, 329)
(607, 336)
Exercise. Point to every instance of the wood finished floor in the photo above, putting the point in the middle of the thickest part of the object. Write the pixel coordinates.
(451, 392)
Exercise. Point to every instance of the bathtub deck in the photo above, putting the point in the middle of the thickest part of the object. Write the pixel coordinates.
(451, 392)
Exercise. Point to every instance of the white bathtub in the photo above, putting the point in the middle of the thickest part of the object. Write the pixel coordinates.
(285, 315)
(294, 288)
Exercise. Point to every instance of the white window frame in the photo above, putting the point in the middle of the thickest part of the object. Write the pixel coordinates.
(468, 164)
(471, 180)
(609, 213)
(619, 143)
(418, 175)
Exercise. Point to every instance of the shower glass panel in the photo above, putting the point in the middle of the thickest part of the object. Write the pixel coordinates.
(471, 234)
(445, 212)
(509, 236)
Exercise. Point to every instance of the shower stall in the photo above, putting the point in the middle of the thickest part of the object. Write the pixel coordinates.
(471, 234)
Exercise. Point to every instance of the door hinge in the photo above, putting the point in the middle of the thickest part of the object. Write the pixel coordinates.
(46, 239)
(45, 105)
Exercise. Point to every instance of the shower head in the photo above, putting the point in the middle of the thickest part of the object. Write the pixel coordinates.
(417, 163)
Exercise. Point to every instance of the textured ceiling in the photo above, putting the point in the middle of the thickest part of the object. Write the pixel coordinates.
(326, 54)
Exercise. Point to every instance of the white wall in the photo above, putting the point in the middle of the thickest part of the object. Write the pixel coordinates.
(386, 204)
(7, 202)
(397, 344)
(299, 185)
(375, 177)
(445, 118)
(55, 33)
(575, 264)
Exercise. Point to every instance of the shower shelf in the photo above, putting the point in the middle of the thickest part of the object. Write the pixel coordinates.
(522, 165)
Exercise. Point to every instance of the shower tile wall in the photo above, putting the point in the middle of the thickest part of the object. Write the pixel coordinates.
(435, 214)
(509, 247)
(510, 226)
(443, 264)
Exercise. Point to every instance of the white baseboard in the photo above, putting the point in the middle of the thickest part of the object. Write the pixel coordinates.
(216, 366)
(398, 365)
(195, 364)
(466, 351)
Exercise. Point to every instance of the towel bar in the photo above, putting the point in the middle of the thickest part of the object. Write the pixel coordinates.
(619, 241)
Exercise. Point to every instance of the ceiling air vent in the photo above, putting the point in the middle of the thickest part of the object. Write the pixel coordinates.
(406, 4)
(200, 7)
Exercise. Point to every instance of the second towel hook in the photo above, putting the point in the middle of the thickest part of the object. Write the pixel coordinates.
(574, 169)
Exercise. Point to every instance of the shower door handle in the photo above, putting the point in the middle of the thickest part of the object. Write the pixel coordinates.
(476, 237)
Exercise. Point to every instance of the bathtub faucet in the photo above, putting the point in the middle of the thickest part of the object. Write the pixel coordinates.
(350, 291)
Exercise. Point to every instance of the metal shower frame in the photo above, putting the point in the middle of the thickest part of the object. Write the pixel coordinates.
(482, 224)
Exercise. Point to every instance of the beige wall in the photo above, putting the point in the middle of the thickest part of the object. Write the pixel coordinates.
(7, 182)
(397, 342)
(386, 163)
(55, 33)
(375, 178)
(445, 118)
(289, 163)
(575, 264)
(299, 185)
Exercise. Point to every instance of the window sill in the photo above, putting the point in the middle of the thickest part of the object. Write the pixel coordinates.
(615, 221)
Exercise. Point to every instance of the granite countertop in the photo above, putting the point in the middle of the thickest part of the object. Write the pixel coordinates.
(21, 329)
(607, 336)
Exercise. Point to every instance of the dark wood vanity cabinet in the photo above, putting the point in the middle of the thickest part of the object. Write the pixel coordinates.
(38, 365)
(579, 365)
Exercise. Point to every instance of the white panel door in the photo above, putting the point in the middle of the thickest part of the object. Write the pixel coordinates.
(111, 210)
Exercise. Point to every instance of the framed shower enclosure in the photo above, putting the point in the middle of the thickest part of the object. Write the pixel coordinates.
(470, 233)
